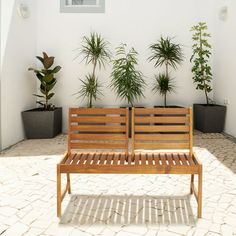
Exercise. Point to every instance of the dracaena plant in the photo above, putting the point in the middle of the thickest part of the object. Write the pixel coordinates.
(168, 54)
(46, 77)
(202, 75)
(95, 51)
(127, 81)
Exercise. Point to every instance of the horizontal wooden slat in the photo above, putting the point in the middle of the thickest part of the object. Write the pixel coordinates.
(161, 111)
(129, 169)
(162, 128)
(98, 119)
(162, 119)
(102, 145)
(152, 146)
(97, 137)
(99, 128)
(162, 137)
(100, 111)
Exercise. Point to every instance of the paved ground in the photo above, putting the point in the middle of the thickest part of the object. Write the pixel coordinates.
(121, 205)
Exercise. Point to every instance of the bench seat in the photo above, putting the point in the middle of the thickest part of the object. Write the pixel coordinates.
(121, 163)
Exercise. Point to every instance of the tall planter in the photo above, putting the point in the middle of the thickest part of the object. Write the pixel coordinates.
(39, 123)
(209, 118)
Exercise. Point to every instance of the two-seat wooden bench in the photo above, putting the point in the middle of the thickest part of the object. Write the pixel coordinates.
(168, 131)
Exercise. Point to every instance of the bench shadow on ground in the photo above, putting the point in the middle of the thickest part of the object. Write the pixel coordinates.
(128, 209)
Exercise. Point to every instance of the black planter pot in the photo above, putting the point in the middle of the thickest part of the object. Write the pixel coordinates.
(41, 124)
(209, 118)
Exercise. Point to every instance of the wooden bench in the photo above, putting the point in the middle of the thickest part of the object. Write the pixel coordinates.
(107, 129)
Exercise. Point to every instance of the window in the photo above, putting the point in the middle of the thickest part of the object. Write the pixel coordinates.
(83, 6)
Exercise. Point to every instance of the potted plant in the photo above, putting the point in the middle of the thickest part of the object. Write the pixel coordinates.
(209, 117)
(169, 54)
(46, 120)
(127, 81)
(95, 52)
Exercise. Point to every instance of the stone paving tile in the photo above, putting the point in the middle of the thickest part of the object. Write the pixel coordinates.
(119, 205)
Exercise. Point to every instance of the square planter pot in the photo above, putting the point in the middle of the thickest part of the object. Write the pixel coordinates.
(209, 119)
(41, 124)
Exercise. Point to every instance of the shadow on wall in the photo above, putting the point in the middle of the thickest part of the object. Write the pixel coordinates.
(128, 209)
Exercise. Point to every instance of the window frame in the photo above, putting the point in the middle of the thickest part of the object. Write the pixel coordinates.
(64, 8)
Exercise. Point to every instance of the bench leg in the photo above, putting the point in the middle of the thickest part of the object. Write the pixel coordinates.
(191, 184)
(200, 192)
(58, 191)
(68, 183)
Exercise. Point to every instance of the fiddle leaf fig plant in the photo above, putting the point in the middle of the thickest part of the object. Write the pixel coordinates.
(47, 79)
(202, 75)
(169, 54)
(127, 81)
(95, 51)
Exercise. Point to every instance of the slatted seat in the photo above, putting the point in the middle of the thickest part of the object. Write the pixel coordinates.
(161, 144)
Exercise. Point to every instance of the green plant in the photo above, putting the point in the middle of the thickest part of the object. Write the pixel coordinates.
(47, 80)
(202, 74)
(169, 54)
(163, 85)
(95, 51)
(127, 81)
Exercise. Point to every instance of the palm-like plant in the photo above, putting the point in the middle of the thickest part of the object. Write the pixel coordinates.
(127, 81)
(163, 85)
(169, 54)
(95, 51)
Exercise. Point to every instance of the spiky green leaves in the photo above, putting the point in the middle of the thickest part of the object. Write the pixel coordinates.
(90, 89)
(127, 81)
(165, 52)
(202, 75)
(95, 50)
(47, 79)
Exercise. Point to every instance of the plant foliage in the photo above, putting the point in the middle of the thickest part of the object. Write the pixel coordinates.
(47, 80)
(163, 85)
(95, 52)
(169, 54)
(201, 69)
(127, 81)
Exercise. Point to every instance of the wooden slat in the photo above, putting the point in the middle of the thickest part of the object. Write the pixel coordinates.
(162, 128)
(98, 119)
(137, 158)
(109, 158)
(70, 158)
(116, 158)
(176, 158)
(150, 158)
(169, 157)
(156, 159)
(143, 159)
(122, 159)
(89, 158)
(102, 145)
(101, 111)
(129, 169)
(153, 146)
(83, 158)
(99, 128)
(96, 158)
(76, 158)
(163, 159)
(183, 160)
(103, 158)
(189, 159)
(162, 137)
(162, 119)
(161, 111)
(98, 137)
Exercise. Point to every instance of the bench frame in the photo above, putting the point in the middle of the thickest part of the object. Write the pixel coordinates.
(63, 168)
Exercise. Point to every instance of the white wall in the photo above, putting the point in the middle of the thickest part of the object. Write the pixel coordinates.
(17, 84)
(137, 23)
(225, 63)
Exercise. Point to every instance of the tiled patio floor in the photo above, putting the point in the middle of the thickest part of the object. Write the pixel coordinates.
(121, 205)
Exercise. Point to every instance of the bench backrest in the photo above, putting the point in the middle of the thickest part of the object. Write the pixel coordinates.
(162, 128)
(98, 128)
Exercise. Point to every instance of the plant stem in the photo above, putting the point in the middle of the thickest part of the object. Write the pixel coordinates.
(167, 69)
(165, 100)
